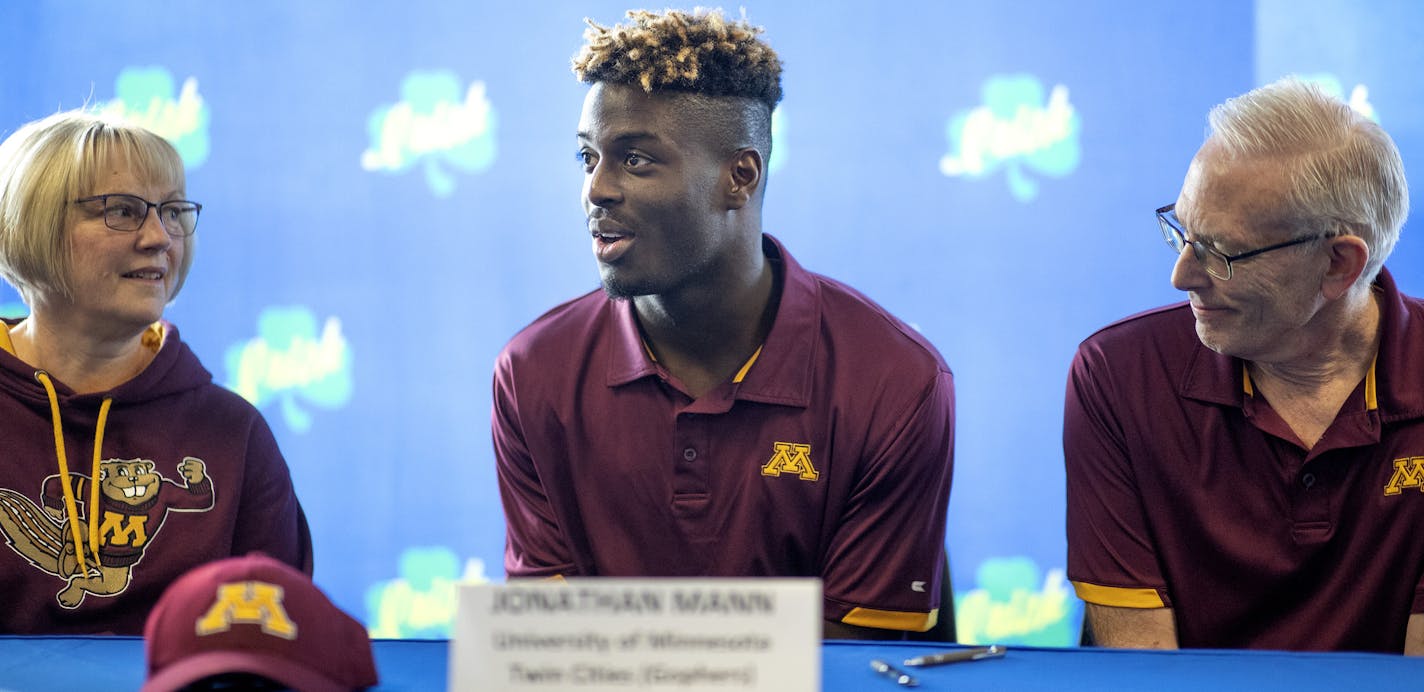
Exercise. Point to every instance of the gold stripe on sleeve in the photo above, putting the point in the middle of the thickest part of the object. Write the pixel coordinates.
(1118, 596)
(892, 619)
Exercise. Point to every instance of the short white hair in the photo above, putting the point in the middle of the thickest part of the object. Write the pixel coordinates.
(1344, 169)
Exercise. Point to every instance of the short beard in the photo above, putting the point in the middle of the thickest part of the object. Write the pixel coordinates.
(617, 290)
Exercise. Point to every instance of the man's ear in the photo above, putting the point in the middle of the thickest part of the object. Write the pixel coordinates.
(1348, 256)
(744, 177)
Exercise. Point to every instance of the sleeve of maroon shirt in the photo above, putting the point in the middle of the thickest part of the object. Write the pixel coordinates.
(1109, 544)
(534, 544)
(880, 570)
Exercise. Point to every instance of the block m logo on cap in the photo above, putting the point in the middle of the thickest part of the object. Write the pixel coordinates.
(790, 457)
(250, 603)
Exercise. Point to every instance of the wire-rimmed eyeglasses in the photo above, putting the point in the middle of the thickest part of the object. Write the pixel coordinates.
(123, 212)
(1215, 262)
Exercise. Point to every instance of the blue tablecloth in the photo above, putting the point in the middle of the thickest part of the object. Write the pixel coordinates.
(105, 664)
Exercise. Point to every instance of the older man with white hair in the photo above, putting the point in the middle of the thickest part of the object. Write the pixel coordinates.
(1245, 469)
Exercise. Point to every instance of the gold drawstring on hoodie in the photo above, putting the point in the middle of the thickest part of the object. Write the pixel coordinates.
(70, 506)
(152, 339)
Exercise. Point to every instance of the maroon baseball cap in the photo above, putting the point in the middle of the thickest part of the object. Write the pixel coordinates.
(254, 615)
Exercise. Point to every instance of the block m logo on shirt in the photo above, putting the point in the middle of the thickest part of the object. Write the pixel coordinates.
(1408, 473)
(790, 457)
(250, 603)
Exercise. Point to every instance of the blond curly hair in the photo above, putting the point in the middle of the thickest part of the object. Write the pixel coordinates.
(701, 52)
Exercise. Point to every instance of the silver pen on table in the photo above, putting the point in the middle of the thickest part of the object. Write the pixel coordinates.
(976, 654)
(889, 671)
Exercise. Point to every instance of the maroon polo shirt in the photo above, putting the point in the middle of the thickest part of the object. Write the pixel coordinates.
(1186, 490)
(828, 456)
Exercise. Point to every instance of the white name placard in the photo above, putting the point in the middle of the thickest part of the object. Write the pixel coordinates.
(638, 634)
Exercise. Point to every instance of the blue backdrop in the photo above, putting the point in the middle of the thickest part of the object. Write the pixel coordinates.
(391, 192)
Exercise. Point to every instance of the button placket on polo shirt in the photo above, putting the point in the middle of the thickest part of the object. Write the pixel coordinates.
(1310, 496)
(689, 459)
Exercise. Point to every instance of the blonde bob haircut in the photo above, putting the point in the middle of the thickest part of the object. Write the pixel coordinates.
(47, 164)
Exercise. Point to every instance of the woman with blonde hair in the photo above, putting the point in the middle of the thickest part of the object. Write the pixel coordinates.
(122, 465)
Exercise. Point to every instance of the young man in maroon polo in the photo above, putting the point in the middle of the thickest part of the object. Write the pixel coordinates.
(716, 410)
(1245, 469)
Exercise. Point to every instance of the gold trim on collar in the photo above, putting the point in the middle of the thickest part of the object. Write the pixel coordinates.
(1371, 398)
(152, 338)
(1371, 402)
(741, 374)
(736, 379)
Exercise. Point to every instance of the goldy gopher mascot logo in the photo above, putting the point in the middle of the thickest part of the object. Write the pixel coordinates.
(134, 500)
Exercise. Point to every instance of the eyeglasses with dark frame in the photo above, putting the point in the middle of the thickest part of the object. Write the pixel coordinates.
(123, 212)
(1215, 262)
